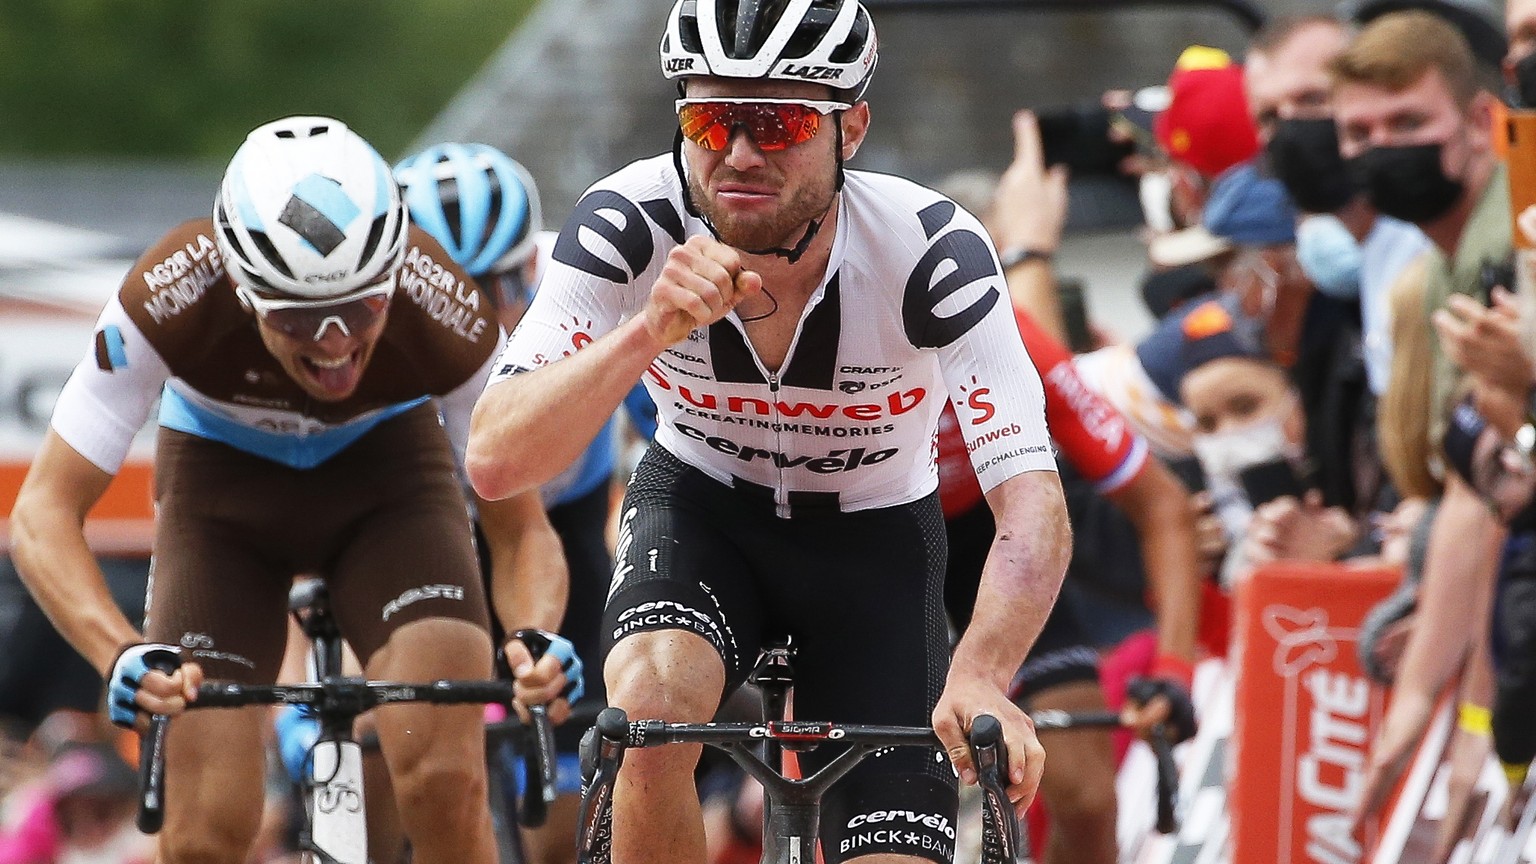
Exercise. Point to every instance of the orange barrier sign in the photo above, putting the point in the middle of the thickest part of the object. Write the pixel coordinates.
(1306, 713)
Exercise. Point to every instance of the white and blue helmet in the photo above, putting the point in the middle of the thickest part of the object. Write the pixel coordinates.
(477, 201)
(309, 210)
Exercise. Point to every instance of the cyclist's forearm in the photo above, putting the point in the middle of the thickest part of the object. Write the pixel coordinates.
(529, 580)
(50, 552)
(1021, 577)
(1157, 504)
(528, 428)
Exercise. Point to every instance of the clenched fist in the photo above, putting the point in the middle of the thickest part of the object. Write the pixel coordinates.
(702, 280)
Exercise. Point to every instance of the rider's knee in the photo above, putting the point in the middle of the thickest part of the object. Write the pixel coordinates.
(669, 675)
(1086, 804)
(444, 789)
(213, 841)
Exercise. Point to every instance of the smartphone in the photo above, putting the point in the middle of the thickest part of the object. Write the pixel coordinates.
(1188, 470)
(1266, 481)
(1077, 136)
(1074, 309)
(1135, 124)
(1493, 272)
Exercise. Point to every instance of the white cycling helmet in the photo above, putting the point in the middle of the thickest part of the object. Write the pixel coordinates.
(828, 42)
(308, 209)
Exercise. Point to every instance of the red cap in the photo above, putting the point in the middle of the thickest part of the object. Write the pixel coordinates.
(1206, 124)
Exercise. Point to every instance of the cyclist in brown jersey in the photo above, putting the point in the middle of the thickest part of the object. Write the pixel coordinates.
(315, 359)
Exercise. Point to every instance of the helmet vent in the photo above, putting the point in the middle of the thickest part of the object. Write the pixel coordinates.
(270, 254)
(375, 233)
(858, 37)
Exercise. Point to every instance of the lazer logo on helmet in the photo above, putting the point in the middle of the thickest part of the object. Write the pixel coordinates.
(811, 73)
(832, 463)
(679, 64)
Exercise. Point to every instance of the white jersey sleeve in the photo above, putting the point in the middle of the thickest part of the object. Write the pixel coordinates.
(111, 392)
(599, 272)
(995, 388)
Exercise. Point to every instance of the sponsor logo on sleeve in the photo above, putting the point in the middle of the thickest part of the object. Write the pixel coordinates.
(443, 295)
(182, 278)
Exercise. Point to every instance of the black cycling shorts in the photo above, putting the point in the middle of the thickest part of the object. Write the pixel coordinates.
(384, 521)
(861, 596)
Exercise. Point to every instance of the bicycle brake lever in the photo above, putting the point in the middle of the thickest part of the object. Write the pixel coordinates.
(152, 755)
(539, 760)
(602, 753)
(1167, 782)
(1002, 840)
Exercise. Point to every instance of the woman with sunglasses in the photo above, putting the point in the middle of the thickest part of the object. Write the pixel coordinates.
(800, 327)
(303, 343)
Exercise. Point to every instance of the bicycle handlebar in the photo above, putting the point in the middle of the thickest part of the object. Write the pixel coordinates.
(1003, 841)
(614, 733)
(350, 696)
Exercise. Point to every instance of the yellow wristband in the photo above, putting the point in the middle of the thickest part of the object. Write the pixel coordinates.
(1514, 773)
(1475, 719)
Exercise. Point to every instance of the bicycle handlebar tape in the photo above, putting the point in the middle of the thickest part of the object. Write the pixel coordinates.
(538, 759)
(1167, 782)
(152, 754)
(1002, 842)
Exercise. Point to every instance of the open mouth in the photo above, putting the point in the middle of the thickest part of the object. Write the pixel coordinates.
(336, 375)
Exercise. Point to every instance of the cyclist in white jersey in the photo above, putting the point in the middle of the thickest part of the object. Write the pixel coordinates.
(800, 328)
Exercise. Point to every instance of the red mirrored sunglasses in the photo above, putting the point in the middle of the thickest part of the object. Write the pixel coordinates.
(772, 124)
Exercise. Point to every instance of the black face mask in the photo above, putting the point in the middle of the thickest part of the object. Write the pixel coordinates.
(1406, 183)
(1304, 155)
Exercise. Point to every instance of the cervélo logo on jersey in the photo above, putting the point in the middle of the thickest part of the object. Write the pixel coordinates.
(832, 462)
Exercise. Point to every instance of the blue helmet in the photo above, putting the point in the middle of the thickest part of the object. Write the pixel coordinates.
(475, 200)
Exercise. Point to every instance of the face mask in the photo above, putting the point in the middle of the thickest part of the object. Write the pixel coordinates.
(1304, 155)
(1329, 255)
(1224, 455)
(1406, 183)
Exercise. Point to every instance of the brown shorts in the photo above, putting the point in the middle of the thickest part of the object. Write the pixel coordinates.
(384, 521)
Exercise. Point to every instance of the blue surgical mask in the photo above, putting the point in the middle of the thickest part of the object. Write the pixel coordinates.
(1329, 255)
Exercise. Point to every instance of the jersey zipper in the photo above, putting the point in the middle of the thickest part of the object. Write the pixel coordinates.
(781, 494)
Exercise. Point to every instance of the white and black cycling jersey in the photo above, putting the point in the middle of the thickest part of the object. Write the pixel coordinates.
(913, 310)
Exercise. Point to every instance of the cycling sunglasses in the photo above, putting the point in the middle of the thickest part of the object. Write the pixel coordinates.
(308, 319)
(772, 124)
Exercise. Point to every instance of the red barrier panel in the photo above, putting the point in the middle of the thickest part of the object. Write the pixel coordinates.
(1306, 713)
